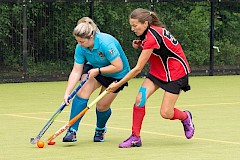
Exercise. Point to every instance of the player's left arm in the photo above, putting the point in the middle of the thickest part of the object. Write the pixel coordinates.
(142, 60)
(115, 66)
(112, 54)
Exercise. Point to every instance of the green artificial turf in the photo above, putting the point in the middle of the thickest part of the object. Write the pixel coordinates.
(214, 102)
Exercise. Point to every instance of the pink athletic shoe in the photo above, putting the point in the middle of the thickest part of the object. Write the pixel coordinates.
(132, 141)
(188, 126)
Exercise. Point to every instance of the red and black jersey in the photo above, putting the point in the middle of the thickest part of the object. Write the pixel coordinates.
(168, 61)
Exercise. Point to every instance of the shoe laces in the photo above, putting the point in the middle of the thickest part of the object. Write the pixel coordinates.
(99, 133)
(186, 127)
(70, 131)
(129, 138)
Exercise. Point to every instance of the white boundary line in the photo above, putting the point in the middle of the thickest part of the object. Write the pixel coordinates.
(146, 132)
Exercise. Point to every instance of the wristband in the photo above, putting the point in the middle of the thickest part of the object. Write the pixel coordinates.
(99, 71)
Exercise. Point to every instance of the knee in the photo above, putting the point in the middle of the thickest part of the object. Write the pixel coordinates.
(101, 107)
(138, 100)
(166, 114)
(141, 97)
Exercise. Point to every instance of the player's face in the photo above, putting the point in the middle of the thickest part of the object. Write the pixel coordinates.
(85, 42)
(137, 27)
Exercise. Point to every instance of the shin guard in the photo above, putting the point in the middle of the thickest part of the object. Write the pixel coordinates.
(138, 115)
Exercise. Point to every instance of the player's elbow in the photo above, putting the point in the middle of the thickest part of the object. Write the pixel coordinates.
(119, 68)
(138, 69)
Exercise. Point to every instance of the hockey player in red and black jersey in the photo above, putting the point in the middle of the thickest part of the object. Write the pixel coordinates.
(168, 70)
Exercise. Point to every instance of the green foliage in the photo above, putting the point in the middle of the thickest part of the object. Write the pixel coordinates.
(51, 43)
(10, 34)
(227, 34)
(181, 19)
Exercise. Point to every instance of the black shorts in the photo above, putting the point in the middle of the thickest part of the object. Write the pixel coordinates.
(105, 81)
(174, 86)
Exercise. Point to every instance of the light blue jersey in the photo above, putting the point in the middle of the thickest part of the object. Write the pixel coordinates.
(106, 49)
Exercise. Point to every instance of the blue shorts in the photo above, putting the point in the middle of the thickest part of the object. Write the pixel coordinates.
(105, 81)
(174, 86)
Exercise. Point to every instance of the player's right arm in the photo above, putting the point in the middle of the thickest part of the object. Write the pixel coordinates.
(73, 79)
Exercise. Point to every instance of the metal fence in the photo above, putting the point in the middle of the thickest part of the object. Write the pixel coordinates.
(36, 42)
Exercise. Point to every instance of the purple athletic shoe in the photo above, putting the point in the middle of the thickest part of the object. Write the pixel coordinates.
(188, 126)
(132, 141)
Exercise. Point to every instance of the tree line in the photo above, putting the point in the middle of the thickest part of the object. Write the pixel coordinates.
(51, 43)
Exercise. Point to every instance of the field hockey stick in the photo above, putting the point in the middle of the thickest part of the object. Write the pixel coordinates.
(72, 121)
(54, 116)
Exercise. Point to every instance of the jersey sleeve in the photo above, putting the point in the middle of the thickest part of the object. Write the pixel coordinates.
(111, 52)
(78, 56)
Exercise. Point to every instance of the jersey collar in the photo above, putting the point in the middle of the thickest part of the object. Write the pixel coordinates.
(142, 37)
(96, 41)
